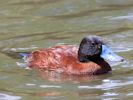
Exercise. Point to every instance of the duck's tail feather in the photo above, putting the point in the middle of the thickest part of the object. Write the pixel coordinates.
(24, 63)
(24, 55)
(18, 55)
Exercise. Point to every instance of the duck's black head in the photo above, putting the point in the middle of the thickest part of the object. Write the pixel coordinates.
(93, 48)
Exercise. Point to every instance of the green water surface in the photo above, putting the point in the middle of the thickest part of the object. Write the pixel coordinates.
(26, 25)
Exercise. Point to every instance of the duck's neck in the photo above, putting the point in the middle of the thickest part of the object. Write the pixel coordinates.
(86, 59)
(96, 59)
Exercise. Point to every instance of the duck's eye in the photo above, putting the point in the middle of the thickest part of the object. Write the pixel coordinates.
(93, 44)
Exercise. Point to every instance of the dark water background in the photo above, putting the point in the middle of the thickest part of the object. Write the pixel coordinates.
(26, 25)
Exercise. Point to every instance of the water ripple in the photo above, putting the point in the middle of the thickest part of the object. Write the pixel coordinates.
(44, 86)
(35, 2)
(107, 85)
(49, 86)
(9, 97)
(84, 13)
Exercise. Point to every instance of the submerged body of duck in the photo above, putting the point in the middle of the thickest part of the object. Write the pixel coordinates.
(88, 58)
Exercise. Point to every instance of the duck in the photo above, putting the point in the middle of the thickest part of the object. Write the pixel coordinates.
(89, 58)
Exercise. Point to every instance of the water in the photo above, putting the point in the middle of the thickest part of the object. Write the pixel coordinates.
(26, 25)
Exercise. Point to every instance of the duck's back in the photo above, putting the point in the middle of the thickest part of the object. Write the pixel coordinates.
(63, 59)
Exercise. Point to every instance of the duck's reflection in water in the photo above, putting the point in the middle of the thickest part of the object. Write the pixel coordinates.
(57, 77)
(76, 81)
